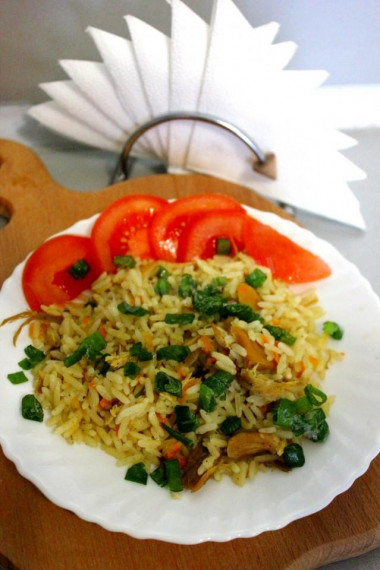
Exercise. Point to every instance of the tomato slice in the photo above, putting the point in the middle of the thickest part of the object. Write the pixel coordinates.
(169, 224)
(46, 278)
(201, 236)
(287, 260)
(122, 229)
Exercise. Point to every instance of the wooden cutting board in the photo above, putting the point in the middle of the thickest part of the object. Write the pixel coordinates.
(35, 533)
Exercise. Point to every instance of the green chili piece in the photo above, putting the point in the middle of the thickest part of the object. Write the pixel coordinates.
(230, 425)
(256, 278)
(141, 353)
(31, 409)
(332, 329)
(207, 400)
(186, 286)
(185, 419)
(124, 261)
(173, 472)
(137, 474)
(281, 335)
(159, 476)
(223, 246)
(179, 318)
(165, 383)
(131, 369)
(219, 382)
(17, 377)
(293, 455)
(133, 310)
(175, 352)
(80, 269)
(315, 396)
(178, 436)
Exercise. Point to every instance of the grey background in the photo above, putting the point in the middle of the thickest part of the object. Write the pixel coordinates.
(341, 36)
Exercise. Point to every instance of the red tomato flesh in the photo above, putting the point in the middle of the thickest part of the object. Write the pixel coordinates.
(46, 279)
(199, 240)
(287, 260)
(169, 224)
(122, 229)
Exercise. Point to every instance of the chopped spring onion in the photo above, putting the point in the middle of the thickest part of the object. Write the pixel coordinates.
(159, 476)
(293, 455)
(178, 436)
(162, 272)
(332, 329)
(316, 397)
(207, 400)
(175, 352)
(17, 377)
(131, 369)
(284, 413)
(230, 425)
(137, 474)
(141, 353)
(34, 356)
(241, 312)
(90, 347)
(179, 318)
(124, 261)
(208, 301)
(256, 278)
(31, 409)
(219, 382)
(281, 335)
(223, 246)
(173, 472)
(80, 269)
(165, 383)
(219, 281)
(162, 286)
(133, 310)
(185, 419)
(186, 286)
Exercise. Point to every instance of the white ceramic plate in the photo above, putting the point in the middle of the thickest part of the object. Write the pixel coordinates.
(87, 482)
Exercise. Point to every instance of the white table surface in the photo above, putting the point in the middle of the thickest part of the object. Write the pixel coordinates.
(84, 169)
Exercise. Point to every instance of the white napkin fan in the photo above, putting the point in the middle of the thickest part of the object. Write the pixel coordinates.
(228, 69)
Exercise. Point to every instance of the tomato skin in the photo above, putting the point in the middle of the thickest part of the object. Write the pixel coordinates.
(286, 259)
(199, 238)
(46, 280)
(169, 224)
(122, 229)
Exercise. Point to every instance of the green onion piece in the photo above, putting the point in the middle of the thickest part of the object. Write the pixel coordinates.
(208, 302)
(133, 310)
(303, 405)
(333, 329)
(284, 413)
(230, 425)
(31, 409)
(316, 397)
(140, 392)
(207, 400)
(131, 369)
(219, 382)
(102, 366)
(141, 353)
(219, 281)
(17, 377)
(241, 312)
(159, 476)
(186, 286)
(223, 246)
(162, 286)
(173, 472)
(124, 261)
(293, 455)
(256, 278)
(179, 318)
(80, 269)
(185, 419)
(137, 474)
(34, 354)
(175, 352)
(281, 335)
(178, 436)
(25, 364)
(91, 303)
(165, 383)
(316, 427)
(162, 272)
(90, 347)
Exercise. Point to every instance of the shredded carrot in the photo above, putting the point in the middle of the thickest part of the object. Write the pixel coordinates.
(86, 319)
(300, 369)
(210, 361)
(182, 370)
(117, 427)
(148, 338)
(91, 384)
(264, 339)
(102, 330)
(182, 461)
(263, 409)
(171, 449)
(207, 344)
(313, 360)
(162, 419)
(105, 404)
(276, 357)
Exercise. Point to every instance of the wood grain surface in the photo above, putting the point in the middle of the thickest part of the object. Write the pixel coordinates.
(35, 534)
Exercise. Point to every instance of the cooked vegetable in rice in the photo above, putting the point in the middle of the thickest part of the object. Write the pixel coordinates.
(186, 372)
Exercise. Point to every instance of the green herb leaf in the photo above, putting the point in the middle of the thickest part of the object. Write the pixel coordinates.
(173, 472)
(80, 269)
(165, 383)
(178, 436)
(141, 353)
(133, 310)
(333, 329)
(31, 409)
(124, 261)
(256, 278)
(17, 377)
(175, 352)
(179, 318)
(223, 246)
(131, 369)
(186, 286)
(281, 335)
(230, 425)
(185, 419)
(137, 474)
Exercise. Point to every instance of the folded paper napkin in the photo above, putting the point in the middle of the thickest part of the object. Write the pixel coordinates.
(233, 71)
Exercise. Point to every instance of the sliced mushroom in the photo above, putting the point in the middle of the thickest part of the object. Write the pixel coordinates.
(252, 443)
(191, 479)
(255, 353)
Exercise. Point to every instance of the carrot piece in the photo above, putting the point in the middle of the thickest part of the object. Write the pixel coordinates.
(162, 419)
(105, 404)
(207, 344)
(247, 295)
(172, 449)
(102, 330)
(85, 320)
